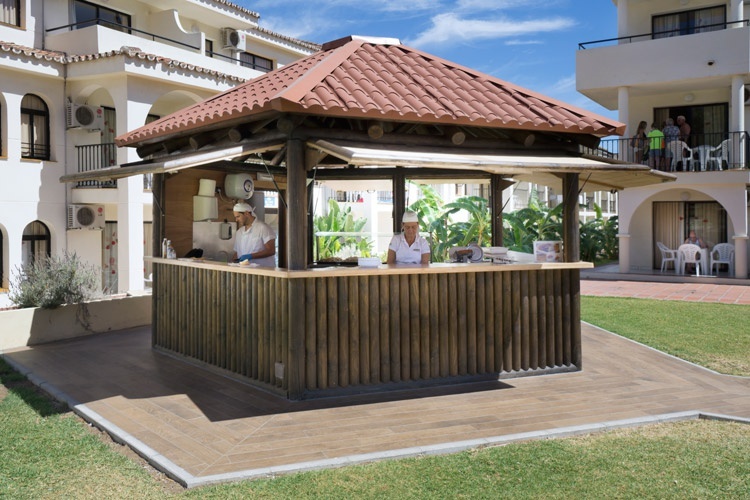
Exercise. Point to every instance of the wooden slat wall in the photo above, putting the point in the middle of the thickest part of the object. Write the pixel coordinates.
(234, 321)
(370, 330)
(428, 326)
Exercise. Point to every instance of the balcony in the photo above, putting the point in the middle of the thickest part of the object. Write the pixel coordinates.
(702, 153)
(654, 63)
(99, 36)
(93, 157)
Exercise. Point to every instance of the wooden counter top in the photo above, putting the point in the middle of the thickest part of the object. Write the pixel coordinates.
(436, 268)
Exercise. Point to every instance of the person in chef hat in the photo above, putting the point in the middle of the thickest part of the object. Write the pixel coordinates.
(408, 247)
(254, 240)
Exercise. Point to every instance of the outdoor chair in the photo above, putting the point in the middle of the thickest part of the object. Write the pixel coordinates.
(723, 253)
(667, 255)
(720, 154)
(689, 254)
(676, 150)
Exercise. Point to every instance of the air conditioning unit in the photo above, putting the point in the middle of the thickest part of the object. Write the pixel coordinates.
(234, 39)
(85, 216)
(85, 116)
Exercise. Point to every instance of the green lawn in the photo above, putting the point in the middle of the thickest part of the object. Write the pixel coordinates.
(716, 336)
(47, 452)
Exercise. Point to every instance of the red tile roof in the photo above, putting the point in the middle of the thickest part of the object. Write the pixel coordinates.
(357, 78)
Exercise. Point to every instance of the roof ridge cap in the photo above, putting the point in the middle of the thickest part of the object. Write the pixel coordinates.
(326, 65)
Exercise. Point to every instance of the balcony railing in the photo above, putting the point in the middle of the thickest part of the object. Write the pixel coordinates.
(662, 34)
(154, 37)
(92, 157)
(701, 153)
(96, 157)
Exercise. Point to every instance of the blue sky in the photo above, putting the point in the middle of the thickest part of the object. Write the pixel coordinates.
(530, 43)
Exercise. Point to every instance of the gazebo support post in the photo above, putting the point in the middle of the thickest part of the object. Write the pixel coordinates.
(497, 186)
(296, 234)
(571, 237)
(399, 198)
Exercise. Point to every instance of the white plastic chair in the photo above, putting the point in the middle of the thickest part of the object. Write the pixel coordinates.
(720, 154)
(723, 253)
(690, 254)
(667, 255)
(676, 153)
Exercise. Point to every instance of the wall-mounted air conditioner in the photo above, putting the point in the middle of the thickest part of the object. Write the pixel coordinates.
(233, 39)
(85, 116)
(85, 216)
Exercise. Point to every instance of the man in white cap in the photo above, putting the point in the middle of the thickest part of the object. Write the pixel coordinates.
(408, 247)
(255, 241)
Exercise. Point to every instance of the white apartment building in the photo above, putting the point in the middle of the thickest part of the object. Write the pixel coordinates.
(671, 58)
(77, 73)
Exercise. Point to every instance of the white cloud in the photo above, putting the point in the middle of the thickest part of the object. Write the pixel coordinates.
(524, 42)
(486, 5)
(563, 85)
(449, 28)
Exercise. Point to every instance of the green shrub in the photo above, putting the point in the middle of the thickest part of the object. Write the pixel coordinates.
(54, 281)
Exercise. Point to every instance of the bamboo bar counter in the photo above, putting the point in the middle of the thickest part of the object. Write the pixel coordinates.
(333, 331)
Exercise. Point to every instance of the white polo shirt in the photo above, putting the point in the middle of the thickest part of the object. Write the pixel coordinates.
(408, 254)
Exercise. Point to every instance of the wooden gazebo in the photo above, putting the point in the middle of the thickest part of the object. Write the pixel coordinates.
(363, 108)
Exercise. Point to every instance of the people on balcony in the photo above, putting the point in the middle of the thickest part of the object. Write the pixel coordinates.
(671, 133)
(684, 129)
(656, 147)
(639, 142)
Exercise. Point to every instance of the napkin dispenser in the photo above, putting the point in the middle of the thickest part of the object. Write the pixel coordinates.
(225, 230)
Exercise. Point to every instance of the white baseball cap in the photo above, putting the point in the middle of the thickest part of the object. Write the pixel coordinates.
(410, 216)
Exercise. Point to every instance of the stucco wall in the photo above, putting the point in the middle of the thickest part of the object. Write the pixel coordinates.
(31, 326)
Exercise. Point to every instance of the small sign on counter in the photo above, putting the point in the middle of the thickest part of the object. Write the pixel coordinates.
(548, 251)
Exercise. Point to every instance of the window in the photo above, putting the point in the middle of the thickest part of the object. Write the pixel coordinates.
(89, 14)
(10, 12)
(253, 61)
(689, 22)
(34, 128)
(35, 243)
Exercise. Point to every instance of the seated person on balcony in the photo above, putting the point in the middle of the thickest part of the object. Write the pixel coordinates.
(408, 247)
(639, 141)
(655, 147)
(254, 241)
(684, 129)
(693, 239)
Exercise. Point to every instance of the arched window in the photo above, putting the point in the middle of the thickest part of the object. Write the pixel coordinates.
(34, 128)
(35, 242)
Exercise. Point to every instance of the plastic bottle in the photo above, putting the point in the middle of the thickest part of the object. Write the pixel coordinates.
(164, 248)
(171, 254)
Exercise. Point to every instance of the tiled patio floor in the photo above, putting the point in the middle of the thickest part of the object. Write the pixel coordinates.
(695, 292)
(200, 427)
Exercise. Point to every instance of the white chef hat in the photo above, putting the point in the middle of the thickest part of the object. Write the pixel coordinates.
(243, 207)
(410, 216)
